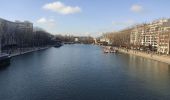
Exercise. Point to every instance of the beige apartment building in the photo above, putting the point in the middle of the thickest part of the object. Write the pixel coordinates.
(155, 34)
(164, 39)
(136, 36)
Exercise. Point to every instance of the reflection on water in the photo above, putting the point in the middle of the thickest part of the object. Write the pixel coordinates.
(153, 73)
(84, 72)
(148, 67)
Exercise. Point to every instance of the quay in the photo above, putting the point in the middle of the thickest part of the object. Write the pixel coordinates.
(5, 58)
(28, 51)
(157, 57)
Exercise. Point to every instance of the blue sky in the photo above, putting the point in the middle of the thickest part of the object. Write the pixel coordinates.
(84, 17)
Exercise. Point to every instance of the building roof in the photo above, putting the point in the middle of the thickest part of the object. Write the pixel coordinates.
(167, 24)
(1, 19)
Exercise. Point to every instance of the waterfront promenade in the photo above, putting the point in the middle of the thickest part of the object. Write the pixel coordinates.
(18, 52)
(161, 58)
(28, 50)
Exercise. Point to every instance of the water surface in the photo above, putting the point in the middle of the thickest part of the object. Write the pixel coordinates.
(84, 72)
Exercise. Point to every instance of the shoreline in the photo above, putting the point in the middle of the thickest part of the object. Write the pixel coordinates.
(28, 51)
(161, 58)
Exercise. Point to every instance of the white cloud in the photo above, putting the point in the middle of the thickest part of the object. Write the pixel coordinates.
(41, 20)
(48, 22)
(87, 34)
(61, 8)
(137, 8)
(124, 23)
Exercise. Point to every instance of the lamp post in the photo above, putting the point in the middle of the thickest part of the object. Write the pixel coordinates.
(0, 41)
(0, 37)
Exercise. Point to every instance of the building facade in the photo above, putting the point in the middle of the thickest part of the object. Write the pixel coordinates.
(9, 31)
(155, 34)
(137, 35)
(164, 43)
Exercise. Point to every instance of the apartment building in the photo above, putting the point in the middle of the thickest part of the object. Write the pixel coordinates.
(137, 35)
(164, 38)
(164, 43)
(154, 34)
(9, 30)
(25, 26)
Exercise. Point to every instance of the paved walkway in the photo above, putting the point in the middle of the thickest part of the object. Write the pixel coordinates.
(18, 52)
(161, 58)
(28, 51)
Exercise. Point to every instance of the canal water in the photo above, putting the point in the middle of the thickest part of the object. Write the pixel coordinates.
(83, 72)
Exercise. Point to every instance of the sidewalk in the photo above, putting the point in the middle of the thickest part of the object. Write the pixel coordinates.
(27, 50)
(161, 58)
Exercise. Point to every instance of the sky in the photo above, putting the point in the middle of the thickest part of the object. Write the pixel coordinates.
(84, 17)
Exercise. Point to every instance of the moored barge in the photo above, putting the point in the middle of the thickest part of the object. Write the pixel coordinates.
(4, 60)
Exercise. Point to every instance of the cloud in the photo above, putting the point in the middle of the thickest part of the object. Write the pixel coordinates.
(61, 8)
(87, 34)
(137, 8)
(48, 22)
(41, 20)
(124, 23)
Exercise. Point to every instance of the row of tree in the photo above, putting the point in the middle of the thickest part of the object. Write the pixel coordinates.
(13, 37)
(121, 38)
(25, 39)
(72, 39)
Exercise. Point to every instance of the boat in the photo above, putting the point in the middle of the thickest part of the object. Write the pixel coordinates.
(109, 49)
(113, 51)
(58, 45)
(106, 51)
(4, 59)
(69, 43)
